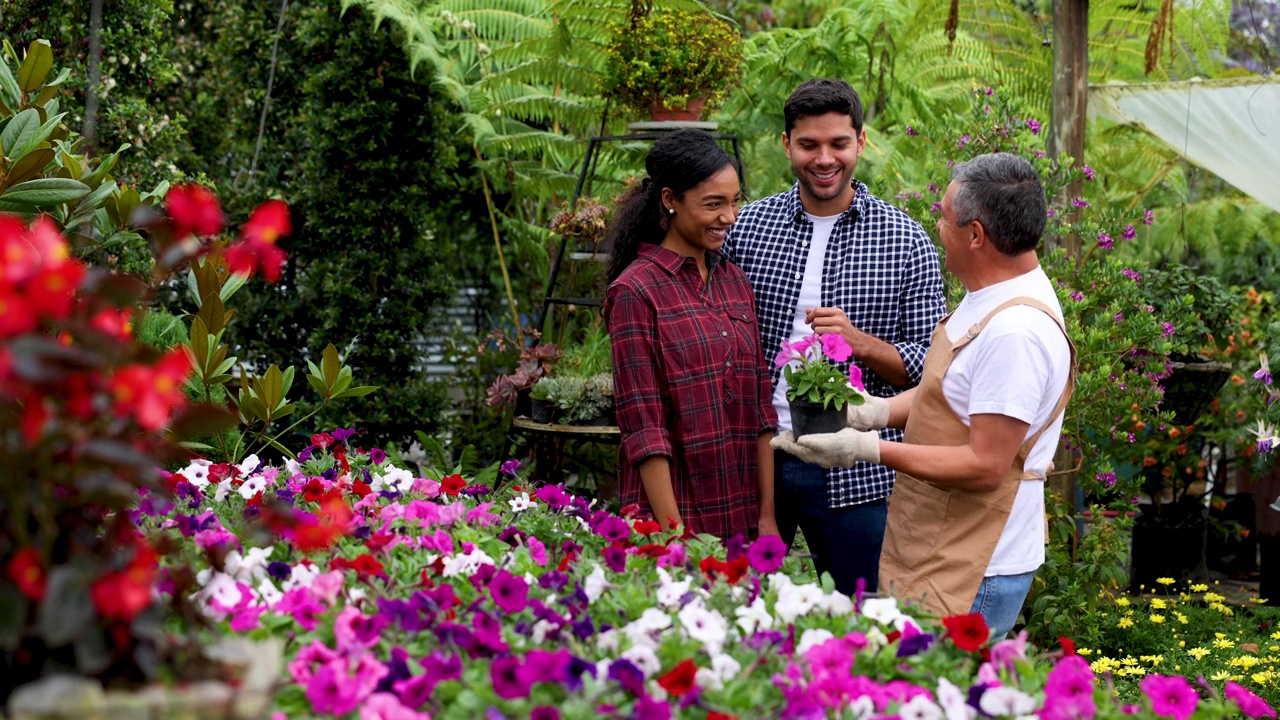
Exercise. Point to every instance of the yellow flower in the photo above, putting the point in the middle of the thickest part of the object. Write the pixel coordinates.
(1275, 635)
(1103, 664)
(1221, 675)
(1223, 644)
(1155, 660)
(1157, 619)
(1122, 601)
(1198, 652)
(1124, 623)
(1087, 652)
(1244, 661)
(1199, 587)
(1220, 636)
(1222, 609)
(1257, 601)
(1128, 660)
(1157, 603)
(1213, 597)
(1165, 581)
(1181, 618)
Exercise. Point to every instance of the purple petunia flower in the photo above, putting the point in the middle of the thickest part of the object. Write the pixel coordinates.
(305, 455)
(554, 496)
(508, 682)
(1088, 172)
(613, 528)
(343, 434)
(509, 467)
(767, 553)
(377, 456)
(626, 674)
(615, 558)
(510, 593)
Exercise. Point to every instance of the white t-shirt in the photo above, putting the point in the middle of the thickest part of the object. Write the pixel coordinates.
(1017, 367)
(810, 297)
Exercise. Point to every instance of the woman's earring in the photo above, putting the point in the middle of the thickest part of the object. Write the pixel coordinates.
(671, 211)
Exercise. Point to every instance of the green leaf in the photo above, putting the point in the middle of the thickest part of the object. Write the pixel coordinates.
(331, 365)
(46, 192)
(317, 384)
(30, 164)
(9, 85)
(36, 66)
(201, 421)
(231, 285)
(66, 610)
(356, 391)
(19, 128)
(32, 141)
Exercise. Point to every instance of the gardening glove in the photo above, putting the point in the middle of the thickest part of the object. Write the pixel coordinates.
(840, 449)
(872, 414)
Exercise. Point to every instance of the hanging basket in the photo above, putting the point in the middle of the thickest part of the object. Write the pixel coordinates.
(1191, 386)
(692, 112)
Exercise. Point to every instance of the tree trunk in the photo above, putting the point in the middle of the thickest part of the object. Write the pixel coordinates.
(90, 131)
(1070, 92)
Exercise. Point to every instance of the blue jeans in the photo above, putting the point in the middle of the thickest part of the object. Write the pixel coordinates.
(844, 541)
(1000, 600)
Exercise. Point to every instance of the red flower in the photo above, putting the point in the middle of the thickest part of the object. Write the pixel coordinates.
(313, 490)
(17, 315)
(731, 571)
(122, 594)
(653, 550)
(630, 511)
(268, 222)
(361, 488)
(321, 531)
(968, 632)
(340, 454)
(646, 527)
(452, 484)
(378, 542)
(1068, 646)
(35, 415)
(194, 210)
(713, 715)
(26, 571)
(566, 561)
(150, 393)
(365, 565)
(53, 290)
(322, 440)
(113, 322)
(680, 679)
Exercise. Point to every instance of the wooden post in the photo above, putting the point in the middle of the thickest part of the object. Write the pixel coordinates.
(1066, 137)
(1070, 91)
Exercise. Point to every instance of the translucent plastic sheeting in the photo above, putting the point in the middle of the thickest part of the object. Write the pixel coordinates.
(1229, 127)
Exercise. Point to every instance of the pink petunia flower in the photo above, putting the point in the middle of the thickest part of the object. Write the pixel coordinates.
(855, 377)
(304, 664)
(1250, 704)
(537, 550)
(767, 553)
(834, 346)
(385, 706)
(1171, 696)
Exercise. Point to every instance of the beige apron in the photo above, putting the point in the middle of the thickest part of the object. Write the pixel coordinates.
(938, 541)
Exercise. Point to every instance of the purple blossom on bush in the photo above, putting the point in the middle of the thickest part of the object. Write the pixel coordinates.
(508, 682)
(1148, 217)
(964, 140)
(1168, 329)
(1080, 202)
(1088, 172)
(377, 456)
(510, 593)
(1108, 479)
(1133, 275)
(1118, 317)
(613, 528)
(1105, 242)
(911, 132)
(1129, 232)
(1077, 296)
(1034, 127)
(510, 467)
(554, 496)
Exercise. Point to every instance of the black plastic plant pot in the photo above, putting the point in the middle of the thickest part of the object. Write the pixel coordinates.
(809, 418)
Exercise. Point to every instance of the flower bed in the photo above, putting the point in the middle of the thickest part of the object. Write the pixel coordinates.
(407, 597)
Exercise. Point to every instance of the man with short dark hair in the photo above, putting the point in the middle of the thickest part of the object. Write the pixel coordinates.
(829, 257)
(966, 519)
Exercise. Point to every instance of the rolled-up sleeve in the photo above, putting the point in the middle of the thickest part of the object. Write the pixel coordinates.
(768, 415)
(632, 324)
(922, 305)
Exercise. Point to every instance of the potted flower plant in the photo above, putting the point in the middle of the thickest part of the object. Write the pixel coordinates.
(671, 60)
(817, 390)
(584, 223)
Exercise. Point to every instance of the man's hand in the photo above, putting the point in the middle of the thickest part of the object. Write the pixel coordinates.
(872, 414)
(841, 449)
(825, 320)
(768, 526)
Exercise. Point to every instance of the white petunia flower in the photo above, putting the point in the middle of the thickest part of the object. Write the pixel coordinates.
(882, 610)
(268, 593)
(521, 503)
(670, 593)
(1002, 701)
(725, 667)
(466, 564)
(796, 600)
(863, 708)
(643, 657)
(837, 603)
(953, 701)
(754, 616)
(920, 708)
(595, 584)
(392, 478)
(812, 637)
(252, 486)
(249, 465)
(607, 641)
(540, 630)
(197, 473)
(248, 567)
(707, 678)
(706, 626)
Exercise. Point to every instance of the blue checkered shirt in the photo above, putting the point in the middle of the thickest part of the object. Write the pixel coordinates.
(881, 269)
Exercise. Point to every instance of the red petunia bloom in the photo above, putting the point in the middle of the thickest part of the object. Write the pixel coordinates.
(26, 572)
(322, 440)
(452, 484)
(122, 594)
(313, 490)
(646, 527)
(968, 632)
(193, 210)
(361, 488)
(653, 550)
(321, 531)
(1068, 645)
(679, 680)
(713, 715)
(150, 393)
(731, 571)
(365, 565)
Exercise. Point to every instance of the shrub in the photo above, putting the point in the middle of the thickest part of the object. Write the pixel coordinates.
(669, 56)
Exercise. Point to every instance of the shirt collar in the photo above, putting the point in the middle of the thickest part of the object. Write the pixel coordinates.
(672, 261)
(856, 208)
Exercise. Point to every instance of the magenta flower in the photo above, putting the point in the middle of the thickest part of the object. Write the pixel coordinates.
(308, 658)
(544, 712)
(506, 677)
(964, 140)
(835, 347)
(613, 529)
(1118, 317)
(1263, 374)
(353, 631)
(1107, 479)
(248, 618)
(1133, 275)
(785, 355)
(1148, 217)
(1077, 296)
(1068, 691)
(1034, 126)
(376, 456)
(766, 553)
(554, 496)
(1088, 172)
(1129, 233)
(1251, 705)
(385, 706)
(911, 132)
(302, 605)
(1168, 329)
(509, 467)
(1171, 696)
(1105, 242)
(1080, 202)
(855, 377)
(510, 593)
(480, 516)
(331, 691)
(537, 550)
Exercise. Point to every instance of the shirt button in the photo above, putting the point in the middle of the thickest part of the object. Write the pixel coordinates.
(724, 333)
(797, 276)
(728, 363)
(806, 243)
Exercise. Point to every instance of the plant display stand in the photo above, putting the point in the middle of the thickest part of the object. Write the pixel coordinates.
(552, 446)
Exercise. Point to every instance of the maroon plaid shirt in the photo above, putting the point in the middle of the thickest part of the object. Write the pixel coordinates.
(691, 383)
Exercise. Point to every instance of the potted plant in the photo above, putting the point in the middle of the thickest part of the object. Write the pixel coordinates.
(817, 390)
(669, 60)
(511, 388)
(584, 223)
(543, 397)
